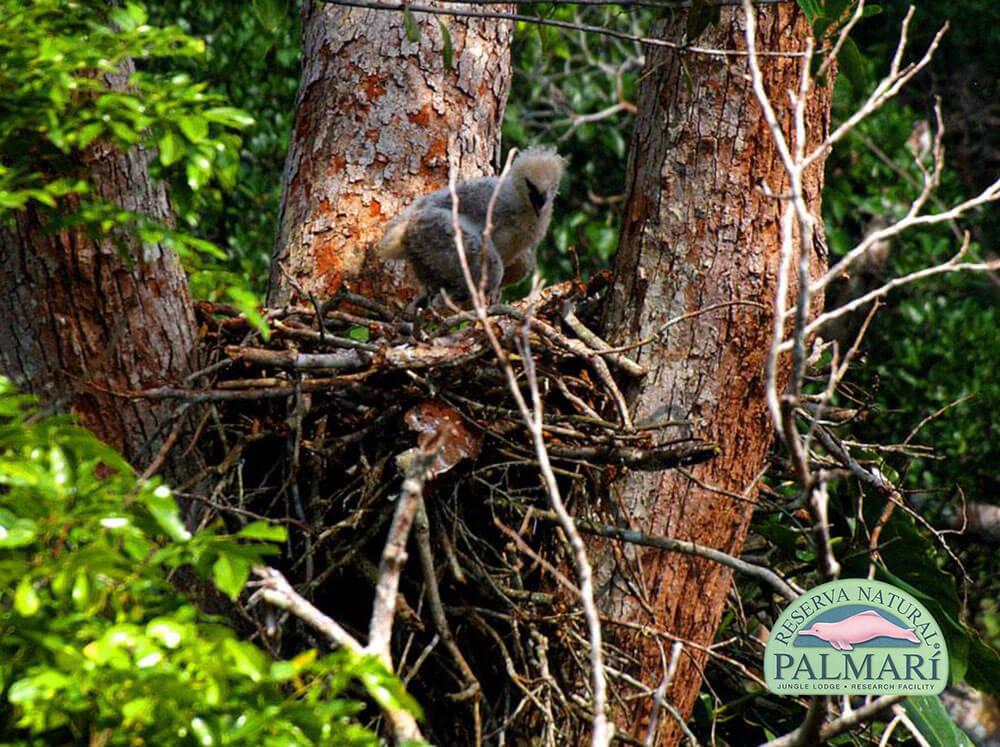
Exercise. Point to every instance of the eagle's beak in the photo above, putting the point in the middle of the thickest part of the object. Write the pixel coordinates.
(538, 197)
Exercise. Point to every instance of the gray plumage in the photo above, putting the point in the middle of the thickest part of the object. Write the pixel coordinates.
(424, 233)
(430, 250)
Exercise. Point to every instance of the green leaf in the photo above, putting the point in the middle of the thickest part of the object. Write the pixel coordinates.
(812, 9)
(137, 13)
(852, 64)
(81, 590)
(928, 714)
(203, 732)
(41, 686)
(194, 128)
(166, 631)
(122, 19)
(201, 245)
(171, 148)
(359, 333)
(89, 134)
(164, 509)
(229, 116)
(139, 711)
(127, 135)
(411, 26)
(984, 667)
(230, 574)
(249, 306)
(449, 50)
(264, 530)
(832, 15)
(248, 659)
(15, 531)
(26, 600)
(384, 688)
(198, 171)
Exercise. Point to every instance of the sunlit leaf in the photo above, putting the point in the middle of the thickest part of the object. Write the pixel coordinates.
(171, 148)
(194, 128)
(26, 600)
(263, 530)
(230, 574)
(164, 509)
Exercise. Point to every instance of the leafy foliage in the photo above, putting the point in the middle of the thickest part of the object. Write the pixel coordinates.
(100, 646)
(57, 101)
(69, 88)
(252, 63)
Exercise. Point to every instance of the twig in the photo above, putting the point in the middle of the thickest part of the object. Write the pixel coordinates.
(495, 15)
(342, 359)
(900, 716)
(653, 459)
(394, 552)
(421, 532)
(594, 358)
(885, 289)
(274, 589)
(625, 364)
(842, 724)
(818, 504)
(635, 537)
(808, 733)
(660, 696)
(601, 731)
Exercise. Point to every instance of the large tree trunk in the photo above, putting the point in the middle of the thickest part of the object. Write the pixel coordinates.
(378, 121)
(699, 231)
(83, 318)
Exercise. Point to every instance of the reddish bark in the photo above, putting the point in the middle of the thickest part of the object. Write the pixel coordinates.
(378, 120)
(698, 231)
(82, 318)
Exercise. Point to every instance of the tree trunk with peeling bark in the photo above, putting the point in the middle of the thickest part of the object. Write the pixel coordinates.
(698, 233)
(84, 320)
(379, 120)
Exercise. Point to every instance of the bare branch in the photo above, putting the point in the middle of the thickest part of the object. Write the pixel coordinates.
(274, 589)
(601, 729)
(600, 30)
(394, 553)
(635, 537)
(844, 723)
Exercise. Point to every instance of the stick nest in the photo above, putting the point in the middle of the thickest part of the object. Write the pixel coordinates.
(313, 425)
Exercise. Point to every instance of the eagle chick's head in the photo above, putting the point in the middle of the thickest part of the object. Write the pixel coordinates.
(536, 173)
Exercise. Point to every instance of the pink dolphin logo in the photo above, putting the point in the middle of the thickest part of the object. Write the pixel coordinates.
(864, 626)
